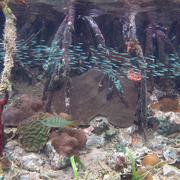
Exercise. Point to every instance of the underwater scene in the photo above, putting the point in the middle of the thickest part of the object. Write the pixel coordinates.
(89, 89)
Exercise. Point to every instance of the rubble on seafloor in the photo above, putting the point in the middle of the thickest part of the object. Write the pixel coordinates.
(110, 153)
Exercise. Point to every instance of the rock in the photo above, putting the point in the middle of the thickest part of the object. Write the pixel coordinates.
(171, 155)
(151, 160)
(120, 163)
(132, 129)
(169, 122)
(95, 141)
(112, 176)
(124, 136)
(31, 162)
(68, 142)
(143, 171)
(149, 177)
(95, 164)
(28, 176)
(44, 163)
(174, 118)
(97, 155)
(27, 161)
(141, 151)
(65, 174)
(117, 161)
(99, 124)
(87, 101)
(169, 170)
(22, 107)
(110, 134)
(55, 160)
(156, 95)
(162, 141)
(103, 129)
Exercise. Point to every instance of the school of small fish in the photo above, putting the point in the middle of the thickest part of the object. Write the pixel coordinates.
(115, 64)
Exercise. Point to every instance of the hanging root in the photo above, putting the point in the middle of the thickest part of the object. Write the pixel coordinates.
(113, 81)
(10, 48)
(62, 38)
(132, 41)
(3, 102)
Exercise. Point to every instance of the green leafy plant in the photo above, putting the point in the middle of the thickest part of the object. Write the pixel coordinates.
(76, 160)
(131, 157)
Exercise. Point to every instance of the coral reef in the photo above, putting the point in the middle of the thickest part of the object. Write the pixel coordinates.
(85, 42)
(105, 162)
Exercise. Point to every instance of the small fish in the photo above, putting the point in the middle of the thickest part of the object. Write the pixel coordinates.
(177, 75)
(172, 70)
(172, 77)
(172, 59)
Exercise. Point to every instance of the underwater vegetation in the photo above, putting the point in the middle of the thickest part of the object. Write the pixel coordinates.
(75, 160)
